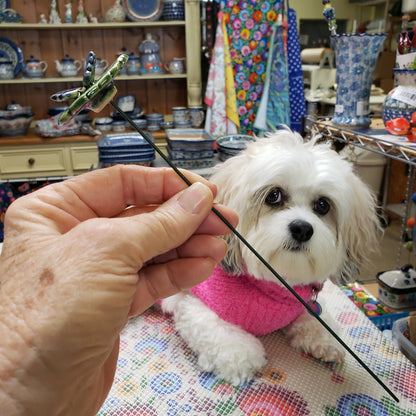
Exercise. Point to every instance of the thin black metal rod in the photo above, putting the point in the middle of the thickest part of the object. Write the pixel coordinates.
(255, 252)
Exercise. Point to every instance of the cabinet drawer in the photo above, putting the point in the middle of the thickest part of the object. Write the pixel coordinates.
(36, 161)
(82, 158)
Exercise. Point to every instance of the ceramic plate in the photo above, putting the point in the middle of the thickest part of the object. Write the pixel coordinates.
(143, 10)
(11, 52)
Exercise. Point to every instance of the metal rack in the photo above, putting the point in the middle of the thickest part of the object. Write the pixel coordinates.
(365, 140)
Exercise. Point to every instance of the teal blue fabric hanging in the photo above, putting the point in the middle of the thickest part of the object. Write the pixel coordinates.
(274, 110)
(296, 86)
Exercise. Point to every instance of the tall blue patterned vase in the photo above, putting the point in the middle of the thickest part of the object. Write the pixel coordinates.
(356, 57)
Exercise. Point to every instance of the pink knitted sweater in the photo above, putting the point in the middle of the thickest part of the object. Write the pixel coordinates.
(257, 306)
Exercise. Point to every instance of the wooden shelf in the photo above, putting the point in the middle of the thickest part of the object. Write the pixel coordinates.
(155, 93)
(32, 138)
(104, 25)
(51, 80)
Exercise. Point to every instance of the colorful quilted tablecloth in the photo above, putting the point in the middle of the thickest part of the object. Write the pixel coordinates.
(157, 374)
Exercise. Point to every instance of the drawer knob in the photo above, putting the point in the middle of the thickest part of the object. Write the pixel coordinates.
(31, 161)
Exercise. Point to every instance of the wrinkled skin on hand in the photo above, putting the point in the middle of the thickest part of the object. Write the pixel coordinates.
(79, 258)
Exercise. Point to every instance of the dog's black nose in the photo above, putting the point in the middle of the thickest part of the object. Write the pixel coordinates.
(301, 230)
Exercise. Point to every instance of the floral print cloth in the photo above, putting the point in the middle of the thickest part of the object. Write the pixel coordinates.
(158, 375)
(249, 29)
(221, 117)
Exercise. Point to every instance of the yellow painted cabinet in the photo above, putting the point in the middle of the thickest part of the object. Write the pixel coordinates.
(34, 161)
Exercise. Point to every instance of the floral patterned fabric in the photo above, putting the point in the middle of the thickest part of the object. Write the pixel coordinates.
(157, 374)
(222, 117)
(249, 29)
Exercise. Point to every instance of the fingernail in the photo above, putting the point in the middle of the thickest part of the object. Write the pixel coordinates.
(193, 198)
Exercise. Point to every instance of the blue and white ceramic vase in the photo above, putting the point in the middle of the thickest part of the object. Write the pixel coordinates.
(401, 100)
(356, 57)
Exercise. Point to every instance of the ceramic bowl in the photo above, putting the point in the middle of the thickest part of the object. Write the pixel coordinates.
(166, 124)
(15, 109)
(103, 123)
(232, 144)
(194, 164)
(175, 154)
(15, 125)
(183, 124)
(154, 119)
(136, 113)
(122, 141)
(153, 128)
(118, 125)
(141, 123)
(50, 128)
(189, 139)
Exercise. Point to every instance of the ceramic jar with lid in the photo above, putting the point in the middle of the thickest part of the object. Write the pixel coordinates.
(149, 57)
(6, 69)
(133, 65)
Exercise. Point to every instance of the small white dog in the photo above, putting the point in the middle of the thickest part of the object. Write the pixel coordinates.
(311, 218)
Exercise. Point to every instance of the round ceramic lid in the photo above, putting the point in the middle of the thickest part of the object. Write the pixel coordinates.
(32, 59)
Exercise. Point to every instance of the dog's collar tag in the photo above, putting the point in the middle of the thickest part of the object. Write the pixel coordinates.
(313, 303)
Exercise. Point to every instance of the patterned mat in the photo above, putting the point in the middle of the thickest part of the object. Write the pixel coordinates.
(157, 374)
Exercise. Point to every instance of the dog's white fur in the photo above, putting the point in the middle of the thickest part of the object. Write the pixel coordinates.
(275, 181)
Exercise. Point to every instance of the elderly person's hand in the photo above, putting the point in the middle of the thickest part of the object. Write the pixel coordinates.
(79, 258)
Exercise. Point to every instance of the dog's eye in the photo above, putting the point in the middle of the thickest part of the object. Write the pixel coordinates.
(275, 197)
(322, 206)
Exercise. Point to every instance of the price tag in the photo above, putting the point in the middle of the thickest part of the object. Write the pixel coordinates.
(405, 94)
(339, 108)
(363, 108)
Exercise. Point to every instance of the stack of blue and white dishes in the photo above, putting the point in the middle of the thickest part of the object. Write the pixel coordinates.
(190, 148)
(124, 148)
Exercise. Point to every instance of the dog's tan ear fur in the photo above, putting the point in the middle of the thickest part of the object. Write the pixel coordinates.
(224, 178)
(232, 263)
(362, 230)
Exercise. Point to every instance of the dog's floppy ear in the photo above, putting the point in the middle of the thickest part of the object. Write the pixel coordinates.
(232, 263)
(362, 229)
(230, 187)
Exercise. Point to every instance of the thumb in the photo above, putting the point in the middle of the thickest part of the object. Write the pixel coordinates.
(171, 224)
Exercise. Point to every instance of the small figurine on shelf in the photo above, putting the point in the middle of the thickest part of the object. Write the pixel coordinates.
(81, 15)
(68, 13)
(43, 19)
(92, 18)
(54, 17)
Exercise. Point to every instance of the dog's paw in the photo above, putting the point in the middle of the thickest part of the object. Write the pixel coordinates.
(308, 336)
(236, 359)
(326, 350)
